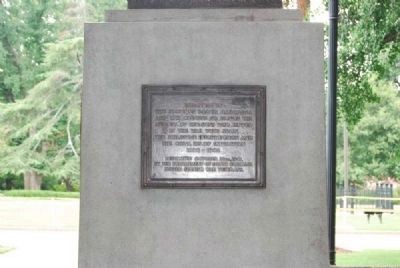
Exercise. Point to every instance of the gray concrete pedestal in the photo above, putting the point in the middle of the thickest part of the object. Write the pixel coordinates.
(282, 226)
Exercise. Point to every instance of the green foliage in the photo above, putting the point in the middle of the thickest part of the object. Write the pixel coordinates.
(375, 140)
(41, 194)
(95, 8)
(11, 181)
(369, 43)
(49, 183)
(368, 68)
(41, 52)
(396, 194)
(42, 130)
(25, 28)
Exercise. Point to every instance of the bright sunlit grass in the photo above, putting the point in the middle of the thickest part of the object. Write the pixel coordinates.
(367, 258)
(40, 193)
(5, 249)
(359, 222)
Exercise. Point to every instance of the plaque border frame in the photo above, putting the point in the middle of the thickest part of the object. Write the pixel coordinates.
(260, 132)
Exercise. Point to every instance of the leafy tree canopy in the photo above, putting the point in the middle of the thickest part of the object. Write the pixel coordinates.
(41, 83)
(26, 27)
(375, 140)
(369, 44)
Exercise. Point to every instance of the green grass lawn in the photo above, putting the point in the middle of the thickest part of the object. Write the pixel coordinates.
(390, 222)
(40, 194)
(5, 249)
(369, 258)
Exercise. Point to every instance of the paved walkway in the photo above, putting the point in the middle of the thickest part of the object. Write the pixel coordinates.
(41, 249)
(42, 232)
(363, 241)
(39, 214)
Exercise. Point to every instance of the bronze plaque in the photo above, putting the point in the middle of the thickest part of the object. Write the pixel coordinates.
(203, 136)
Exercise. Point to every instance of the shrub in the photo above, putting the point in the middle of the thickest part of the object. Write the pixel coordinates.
(11, 181)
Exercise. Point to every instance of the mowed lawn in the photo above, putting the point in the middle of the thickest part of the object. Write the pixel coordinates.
(5, 249)
(369, 258)
(359, 223)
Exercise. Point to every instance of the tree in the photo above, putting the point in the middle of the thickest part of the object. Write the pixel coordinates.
(25, 28)
(40, 134)
(95, 8)
(369, 56)
(369, 44)
(41, 131)
(376, 138)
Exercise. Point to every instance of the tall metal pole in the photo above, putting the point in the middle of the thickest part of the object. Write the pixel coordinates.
(331, 126)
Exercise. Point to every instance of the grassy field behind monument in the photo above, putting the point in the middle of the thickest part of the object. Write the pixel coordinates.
(39, 194)
(358, 222)
(370, 244)
(370, 258)
(5, 249)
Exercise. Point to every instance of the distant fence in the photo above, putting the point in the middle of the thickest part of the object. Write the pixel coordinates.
(379, 199)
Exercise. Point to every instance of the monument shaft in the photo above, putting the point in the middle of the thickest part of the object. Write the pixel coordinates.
(125, 225)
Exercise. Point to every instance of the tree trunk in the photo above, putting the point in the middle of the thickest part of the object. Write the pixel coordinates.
(9, 184)
(32, 180)
(9, 95)
(68, 184)
(304, 6)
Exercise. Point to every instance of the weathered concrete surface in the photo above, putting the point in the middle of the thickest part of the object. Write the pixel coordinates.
(284, 225)
(246, 14)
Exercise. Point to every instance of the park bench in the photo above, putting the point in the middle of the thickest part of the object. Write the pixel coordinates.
(382, 205)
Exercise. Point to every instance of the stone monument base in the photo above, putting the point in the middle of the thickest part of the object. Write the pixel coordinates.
(281, 226)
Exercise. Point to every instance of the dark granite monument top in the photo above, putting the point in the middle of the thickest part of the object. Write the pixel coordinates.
(155, 4)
